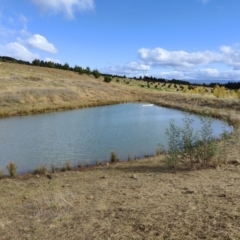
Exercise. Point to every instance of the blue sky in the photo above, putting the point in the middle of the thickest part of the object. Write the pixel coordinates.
(182, 39)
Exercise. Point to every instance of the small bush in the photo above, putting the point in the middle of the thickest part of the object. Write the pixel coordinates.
(206, 147)
(96, 73)
(41, 170)
(113, 157)
(107, 79)
(189, 147)
(174, 145)
(12, 169)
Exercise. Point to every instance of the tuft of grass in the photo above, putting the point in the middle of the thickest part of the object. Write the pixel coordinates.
(42, 170)
(12, 169)
(87, 164)
(53, 168)
(159, 150)
(66, 167)
(98, 162)
(2, 174)
(79, 165)
(113, 157)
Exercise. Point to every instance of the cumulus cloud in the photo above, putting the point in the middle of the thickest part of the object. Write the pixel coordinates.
(131, 68)
(66, 6)
(41, 43)
(17, 51)
(205, 74)
(185, 60)
(177, 59)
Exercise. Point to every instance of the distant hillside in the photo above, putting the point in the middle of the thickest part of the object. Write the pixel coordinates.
(78, 69)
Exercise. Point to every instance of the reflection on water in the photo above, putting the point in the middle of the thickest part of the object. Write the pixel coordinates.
(132, 129)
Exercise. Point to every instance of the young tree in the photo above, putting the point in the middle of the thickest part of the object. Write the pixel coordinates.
(66, 66)
(96, 73)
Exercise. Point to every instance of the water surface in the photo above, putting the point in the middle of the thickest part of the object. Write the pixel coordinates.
(87, 135)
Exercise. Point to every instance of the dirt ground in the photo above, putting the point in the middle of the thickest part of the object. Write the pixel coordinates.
(134, 200)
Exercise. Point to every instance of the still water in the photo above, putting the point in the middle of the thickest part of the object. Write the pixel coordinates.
(88, 135)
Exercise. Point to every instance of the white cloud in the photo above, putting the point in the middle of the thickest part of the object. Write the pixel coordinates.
(17, 51)
(131, 69)
(66, 6)
(205, 74)
(184, 60)
(177, 59)
(40, 42)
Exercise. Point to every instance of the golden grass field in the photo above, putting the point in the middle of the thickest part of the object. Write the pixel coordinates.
(140, 199)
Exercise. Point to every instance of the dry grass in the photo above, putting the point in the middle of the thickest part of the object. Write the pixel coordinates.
(133, 200)
(29, 89)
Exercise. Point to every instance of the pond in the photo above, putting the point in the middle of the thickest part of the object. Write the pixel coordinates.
(88, 135)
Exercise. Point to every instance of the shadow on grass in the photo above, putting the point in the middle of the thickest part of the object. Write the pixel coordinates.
(146, 168)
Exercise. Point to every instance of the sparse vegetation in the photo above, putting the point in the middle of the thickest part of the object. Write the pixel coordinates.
(2, 174)
(219, 92)
(191, 147)
(113, 157)
(12, 169)
(40, 170)
(66, 166)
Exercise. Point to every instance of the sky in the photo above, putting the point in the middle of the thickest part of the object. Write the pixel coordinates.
(180, 39)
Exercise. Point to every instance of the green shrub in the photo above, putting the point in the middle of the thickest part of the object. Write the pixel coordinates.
(107, 79)
(173, 134)
(96, 73)
(12, 169)
(189, 147)
(113, 157)
(188, 139)
(206, 147)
